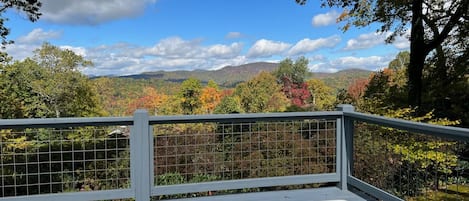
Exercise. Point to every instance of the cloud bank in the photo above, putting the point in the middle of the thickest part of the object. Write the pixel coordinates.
(176, 53)
(91, 12)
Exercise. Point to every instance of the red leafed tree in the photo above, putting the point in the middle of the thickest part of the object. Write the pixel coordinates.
(357, 89)
(297, 93)
(300, 94)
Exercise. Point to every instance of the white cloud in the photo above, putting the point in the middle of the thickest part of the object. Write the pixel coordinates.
(25, 45)
(39, 36)
(369, 40)
(370, 63)
(233, 35)
(317, 57)
(91, 12)
(20, 51)
(172, 53)
(402, 42)
(175, 53)
(78, 50)
(175, 47)
(364, 41)
(308, 45)
(322, 67)
(325, 18)
(224, 51)
(267, 48)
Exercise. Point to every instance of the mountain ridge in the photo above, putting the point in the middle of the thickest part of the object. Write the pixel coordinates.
(229, 76)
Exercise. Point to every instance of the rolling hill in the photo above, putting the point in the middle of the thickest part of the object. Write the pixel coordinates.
(229, 76)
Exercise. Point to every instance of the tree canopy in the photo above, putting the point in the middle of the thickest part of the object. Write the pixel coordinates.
(292, 75)
(438, 29)
(296, 71)
(34, 89)
(190, 95)
(261, 94)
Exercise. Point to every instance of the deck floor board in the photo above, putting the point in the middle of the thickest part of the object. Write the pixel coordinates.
(317, 194)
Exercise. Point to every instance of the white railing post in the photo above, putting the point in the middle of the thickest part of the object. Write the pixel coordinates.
(140, 160)
(345, 145)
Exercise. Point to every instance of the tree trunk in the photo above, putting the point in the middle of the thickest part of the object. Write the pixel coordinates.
(418, 53)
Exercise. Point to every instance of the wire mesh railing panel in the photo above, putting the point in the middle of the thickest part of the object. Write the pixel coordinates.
(45, 160)
(412, 166)
(202, 152)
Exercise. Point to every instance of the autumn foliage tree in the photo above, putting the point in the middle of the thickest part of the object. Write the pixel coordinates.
(150, 100)
(357, 89)
(291, 75)
(210, 97)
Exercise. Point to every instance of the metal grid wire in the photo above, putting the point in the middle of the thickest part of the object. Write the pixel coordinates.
(189, 153)
(409, 165)
(41, 161)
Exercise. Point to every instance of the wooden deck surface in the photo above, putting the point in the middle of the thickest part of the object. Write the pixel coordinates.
(317, 194)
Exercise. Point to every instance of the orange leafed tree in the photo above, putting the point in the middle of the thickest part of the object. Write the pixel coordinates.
(210, 97)
(150, 100)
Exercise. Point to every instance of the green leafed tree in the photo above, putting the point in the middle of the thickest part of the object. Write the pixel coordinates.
(59, 60)
(189, 95)
(228, 105)
(261, 94)
(17, 99)
(296, 72)
(42, 90)
(436, 27)
(212, 84)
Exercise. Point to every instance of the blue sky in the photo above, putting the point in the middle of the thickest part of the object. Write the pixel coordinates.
(126, 37)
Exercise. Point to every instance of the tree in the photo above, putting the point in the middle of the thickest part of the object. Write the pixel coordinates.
(28, 7)
(189, 95)
(386, 89)
(292, 76)
(322, 96)
(63, 88)
(434, 24)
(261, 94)
(210, 97)
(40, 90)
(16, 90)
(296, 71)
(357, 89)
(228, 105)
(212, 84)
(150, 100)
(59, 60)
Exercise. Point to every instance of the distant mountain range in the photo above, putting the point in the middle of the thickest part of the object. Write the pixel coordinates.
(229, 76)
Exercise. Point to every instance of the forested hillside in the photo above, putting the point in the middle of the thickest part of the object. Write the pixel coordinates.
(229, 76)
